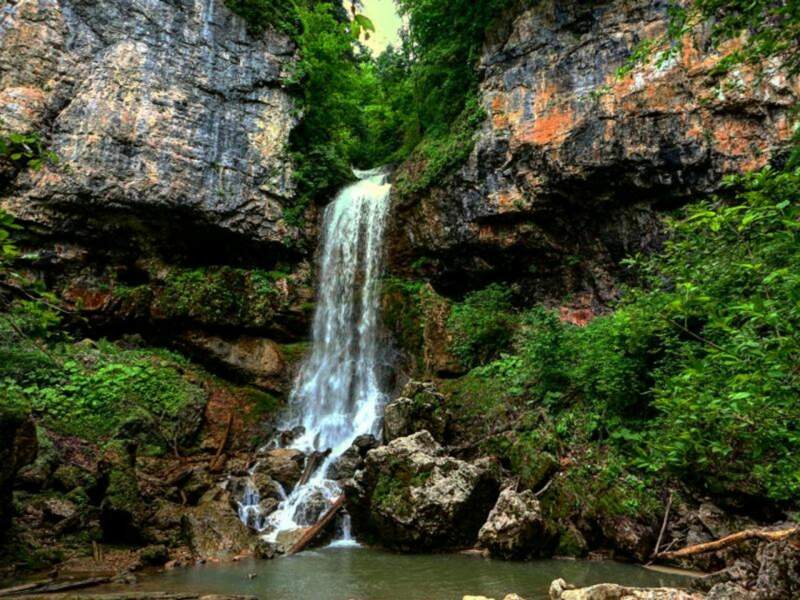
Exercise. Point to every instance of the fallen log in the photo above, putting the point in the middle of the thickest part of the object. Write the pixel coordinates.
(71, 585)
(218, 462)
(50, 586)
(10, 591)
(312, 533)
(311, 465)
(730, 540)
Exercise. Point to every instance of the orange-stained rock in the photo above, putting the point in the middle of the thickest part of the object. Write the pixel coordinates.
(573, 163)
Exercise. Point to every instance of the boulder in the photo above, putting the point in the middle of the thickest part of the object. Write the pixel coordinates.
(704, 522)
(731, 591)
(561, 590)
(155, 555)
(629, 536)
(284, 465)
(410, 496)
(779, 572)
(352, 459)
(515, 528)
(419, 407)
(213, 530)
(56, 510)
(18, 447)
(259, 360)
(265, 550)
(123, 511)
(286, 539)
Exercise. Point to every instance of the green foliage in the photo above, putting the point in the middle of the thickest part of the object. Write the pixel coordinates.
(442, 150)
(217, 295)
(771, 29)
(695, 373)
(94, 391)
(481, 325)
(25, 150)
(261, 14)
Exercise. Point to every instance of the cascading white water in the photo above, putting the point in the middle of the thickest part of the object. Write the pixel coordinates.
(337, 395)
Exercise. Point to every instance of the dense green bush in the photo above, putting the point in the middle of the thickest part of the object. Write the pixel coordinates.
(261, 14)
(482, 325)
(695, 373)
(94, 390)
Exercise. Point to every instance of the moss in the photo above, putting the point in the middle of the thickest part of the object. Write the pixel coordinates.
(70, 477)
(402, 312)
(220, 295)
(261, 404)
(393, 488)
(571, 543)
(294, 353)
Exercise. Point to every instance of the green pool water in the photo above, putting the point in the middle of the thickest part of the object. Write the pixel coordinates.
(342, 573)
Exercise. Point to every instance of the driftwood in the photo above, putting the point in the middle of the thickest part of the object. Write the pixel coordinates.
(730, 540)
(663, 525)
(312, 533)
(218, 462)
(311, 465)
(17, 589)
(49, 586)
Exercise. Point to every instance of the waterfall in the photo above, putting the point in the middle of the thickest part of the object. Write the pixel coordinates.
(337, 395)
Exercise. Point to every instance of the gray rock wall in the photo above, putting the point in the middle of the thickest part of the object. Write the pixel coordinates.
(161, 110)
(571, 162)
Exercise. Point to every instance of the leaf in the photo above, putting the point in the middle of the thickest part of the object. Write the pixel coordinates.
(364, 22)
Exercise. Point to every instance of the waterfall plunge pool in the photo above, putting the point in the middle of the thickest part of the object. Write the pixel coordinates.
(360, 573)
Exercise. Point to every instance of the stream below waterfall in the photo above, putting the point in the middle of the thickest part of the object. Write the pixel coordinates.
(337, 573)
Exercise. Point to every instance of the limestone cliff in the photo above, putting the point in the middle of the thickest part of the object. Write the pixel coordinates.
(165, 212)
(163, 112)
(572, 164)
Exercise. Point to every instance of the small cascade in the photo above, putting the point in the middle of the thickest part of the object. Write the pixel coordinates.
(337, 395)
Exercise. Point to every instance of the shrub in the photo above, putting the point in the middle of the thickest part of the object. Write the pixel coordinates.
(481, 325)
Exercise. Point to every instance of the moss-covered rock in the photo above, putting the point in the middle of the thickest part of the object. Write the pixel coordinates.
(18, 447)
(410, 496)
(122, 509)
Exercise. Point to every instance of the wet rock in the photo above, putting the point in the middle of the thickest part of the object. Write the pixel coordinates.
(629, 536)
(284, 465)
(213, 530)
(312, 509)
(561, 590)
(514, 528)
(70, 477)
(287, 539)
(352, 459)
(123, 511)
(265, 550)
(419, 407)
(155, 555)
(411, 496)
(258, 359)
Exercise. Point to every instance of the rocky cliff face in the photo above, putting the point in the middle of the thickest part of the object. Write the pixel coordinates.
(166, 113)
(572, 163)
(165, 212)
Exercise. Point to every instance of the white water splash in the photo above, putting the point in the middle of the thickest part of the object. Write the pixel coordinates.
(337, 395)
